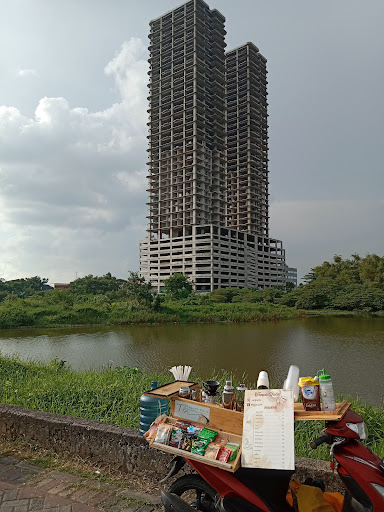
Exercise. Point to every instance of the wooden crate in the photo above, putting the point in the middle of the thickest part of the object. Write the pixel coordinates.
(227, 466)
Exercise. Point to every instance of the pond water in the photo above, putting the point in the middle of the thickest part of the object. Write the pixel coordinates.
(351, 349)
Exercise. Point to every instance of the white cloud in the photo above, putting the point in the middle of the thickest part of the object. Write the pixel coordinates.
(27, 72)
(73, 181)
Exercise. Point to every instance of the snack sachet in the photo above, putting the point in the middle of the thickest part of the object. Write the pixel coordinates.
(234, 447)
(224, 454)
(199, 446)
(176, 436)
(208, 434)
(212, 451)
(221, 441)
(163, 433)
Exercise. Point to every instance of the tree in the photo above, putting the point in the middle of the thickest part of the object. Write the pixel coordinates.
(178, 286)
(95, 285)
(138, 288)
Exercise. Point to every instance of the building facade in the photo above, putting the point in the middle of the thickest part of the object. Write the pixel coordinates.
(208, 171)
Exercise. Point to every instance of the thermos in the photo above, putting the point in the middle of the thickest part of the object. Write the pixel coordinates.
(228, 395)
(326, 391)
(150, 408)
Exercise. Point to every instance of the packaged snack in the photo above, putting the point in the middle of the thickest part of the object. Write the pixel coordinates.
(186, 442)
(163, 433)
(221, 441)
(224, 454)
(182, 424)
(199, 446)
(234, 447)
(212, 451)
(193, 429)
(208, 434)
(176, 436)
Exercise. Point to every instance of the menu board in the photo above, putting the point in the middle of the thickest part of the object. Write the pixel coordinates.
(268, 429)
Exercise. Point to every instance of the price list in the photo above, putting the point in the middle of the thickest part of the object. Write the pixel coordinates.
(268, 429)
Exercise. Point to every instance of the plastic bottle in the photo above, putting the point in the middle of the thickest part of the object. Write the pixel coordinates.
(292, 381)
(263, 380)
(326, 391)
(150, 408)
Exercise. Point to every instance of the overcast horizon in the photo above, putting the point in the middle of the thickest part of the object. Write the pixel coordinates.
(73, 101)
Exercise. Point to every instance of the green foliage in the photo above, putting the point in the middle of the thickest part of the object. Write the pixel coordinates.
(94, 285)
(138, 289)
(177, 286)
(21, 287)
(355, 284)
(356, 270)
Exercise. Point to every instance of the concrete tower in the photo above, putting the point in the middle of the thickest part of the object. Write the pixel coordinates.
(247, 140)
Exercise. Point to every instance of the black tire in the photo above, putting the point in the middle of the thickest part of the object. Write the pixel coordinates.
(196, 492)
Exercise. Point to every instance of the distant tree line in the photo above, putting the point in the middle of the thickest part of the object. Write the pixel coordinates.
(349, 284)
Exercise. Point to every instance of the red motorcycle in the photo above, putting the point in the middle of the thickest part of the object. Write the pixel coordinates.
(263, 490)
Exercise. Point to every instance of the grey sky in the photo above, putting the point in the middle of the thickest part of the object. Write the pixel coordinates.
(72, 129)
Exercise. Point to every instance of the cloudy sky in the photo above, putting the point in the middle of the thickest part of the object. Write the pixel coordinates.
(73, 129)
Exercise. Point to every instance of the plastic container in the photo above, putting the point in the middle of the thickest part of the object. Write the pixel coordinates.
(292, 381)
(310, 393)
(326, 391)
(263, 380)
(150, 408)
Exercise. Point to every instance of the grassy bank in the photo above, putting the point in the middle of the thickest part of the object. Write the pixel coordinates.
(112, 395)
(58, 308)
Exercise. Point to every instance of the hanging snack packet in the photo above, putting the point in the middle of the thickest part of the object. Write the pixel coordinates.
(176, 436)
(199, 446)
(208, 434)
(224, 454)
(234, 447)
(212, 451)
(163, 433)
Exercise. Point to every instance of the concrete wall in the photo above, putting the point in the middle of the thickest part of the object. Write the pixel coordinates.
(112, 446)
(119, 448)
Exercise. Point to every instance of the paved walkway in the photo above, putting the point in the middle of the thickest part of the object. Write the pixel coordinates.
(25, 488)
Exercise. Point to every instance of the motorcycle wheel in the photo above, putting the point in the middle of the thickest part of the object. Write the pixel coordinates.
(195, 491)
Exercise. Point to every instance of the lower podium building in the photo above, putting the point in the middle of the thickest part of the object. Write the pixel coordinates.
(214, 257)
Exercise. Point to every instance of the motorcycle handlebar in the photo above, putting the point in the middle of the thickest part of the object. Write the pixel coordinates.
(320, 440)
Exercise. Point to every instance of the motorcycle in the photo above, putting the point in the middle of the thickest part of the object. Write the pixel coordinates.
(265, 490)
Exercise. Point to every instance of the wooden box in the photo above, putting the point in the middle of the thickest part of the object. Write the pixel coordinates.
(228, 466)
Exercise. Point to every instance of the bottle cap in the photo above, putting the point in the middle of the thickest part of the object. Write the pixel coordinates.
(242, 387)
(323, 376)
(307, 381)
(263, 380)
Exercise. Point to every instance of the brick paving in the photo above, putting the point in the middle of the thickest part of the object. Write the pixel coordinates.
(26, 488)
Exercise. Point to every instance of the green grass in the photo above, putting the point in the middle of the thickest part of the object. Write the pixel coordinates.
(112, 395)
(53, 310)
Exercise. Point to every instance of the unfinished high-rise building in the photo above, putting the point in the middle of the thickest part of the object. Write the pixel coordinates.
(208, 165)
(247, 140)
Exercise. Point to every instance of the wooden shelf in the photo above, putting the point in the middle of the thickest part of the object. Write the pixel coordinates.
(337, 414)
(171, 389)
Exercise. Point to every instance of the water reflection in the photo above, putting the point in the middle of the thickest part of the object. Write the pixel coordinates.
(351, 349)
